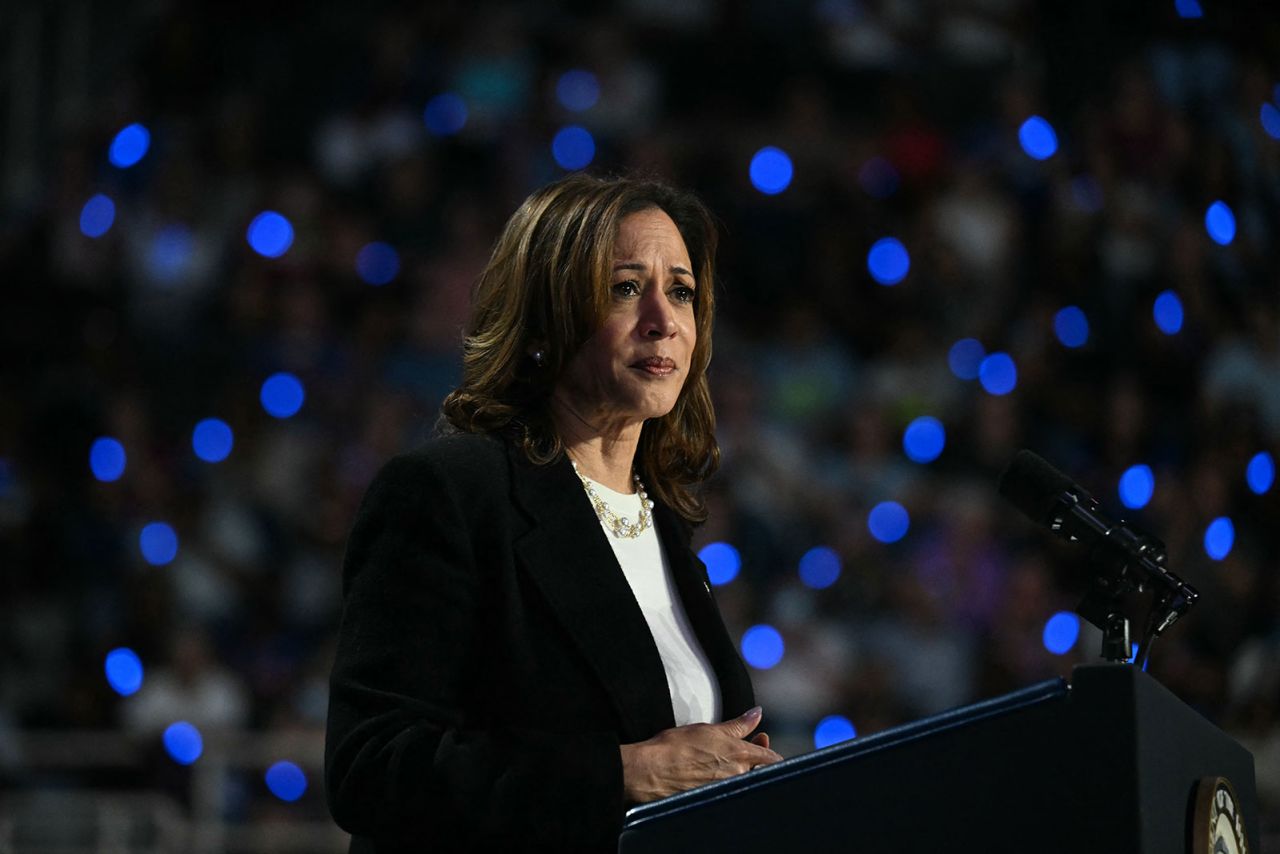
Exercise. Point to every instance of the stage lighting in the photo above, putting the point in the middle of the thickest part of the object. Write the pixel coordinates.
(107, 459)
(888, 521)
(771, 170)
(1071, 326)
(924, 439)
(578, 90)
(286, 781)
(723, 562)
(1038, 138)
(1137, 485)
(377, 263)
(129, 146)
(1167, 312)
(1061, 632)
(573, 147)
(998, 374)
(282, 395)
(820, 567)
(445, 114)
(97, 216)
(965, 358)
(270, 234)
(832, 729)
(1219, 537)
(762, 646)
(888, 261)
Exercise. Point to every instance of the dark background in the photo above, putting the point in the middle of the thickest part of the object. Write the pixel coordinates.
(901, 119)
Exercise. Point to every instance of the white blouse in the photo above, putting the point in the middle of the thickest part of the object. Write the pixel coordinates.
(695, 691)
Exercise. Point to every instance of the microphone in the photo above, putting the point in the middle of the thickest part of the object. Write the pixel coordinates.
(1048, 497)
(1128, 560)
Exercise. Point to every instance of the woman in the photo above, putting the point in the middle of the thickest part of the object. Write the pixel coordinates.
(528, 644)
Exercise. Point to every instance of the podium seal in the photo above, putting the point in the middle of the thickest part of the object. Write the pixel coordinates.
(1216, 825)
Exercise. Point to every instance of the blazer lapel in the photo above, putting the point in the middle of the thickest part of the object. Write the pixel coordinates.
(690, 576)
(566, 554)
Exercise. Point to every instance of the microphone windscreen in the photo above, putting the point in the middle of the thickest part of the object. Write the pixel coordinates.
(1033, 486)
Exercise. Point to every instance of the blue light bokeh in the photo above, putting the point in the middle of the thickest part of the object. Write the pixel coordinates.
(723, 562)
(1270, 118)
(107, 459)
(124, 671)
(1071, 326)
(1219, 537)
(1260, 474)
(282, 395)
(270, 234)
(1167, 311)
(771, 170)
(159, 543)
(1188, 8)
(573, 147)
(998, 374)
(97, 216)
(1038, 138)
(170, 254)
(762, 646)
(1220, 222)
(445, 114)
(1137, 485)
(1061, 632)
(578, 90)
(129, 146)
(212, 440)
(183, 743)
(888, 261)
(833, 729)
(965, 358)
(820, 567)
(286, 781)
(377, 263)
(888, 521)
(924, 439)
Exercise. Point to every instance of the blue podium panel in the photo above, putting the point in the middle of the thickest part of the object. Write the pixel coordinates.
(1109, 763)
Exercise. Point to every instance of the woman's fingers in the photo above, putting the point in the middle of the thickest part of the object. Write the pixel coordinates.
(760, 753)
(743, 724)
(739, 728)
(688, 756)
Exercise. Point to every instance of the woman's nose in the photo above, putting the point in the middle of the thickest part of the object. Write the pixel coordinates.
(658, 319)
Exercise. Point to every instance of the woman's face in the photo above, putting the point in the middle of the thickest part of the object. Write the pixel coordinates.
(650, 317)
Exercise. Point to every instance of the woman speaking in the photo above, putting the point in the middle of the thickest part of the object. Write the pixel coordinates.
(528, 644)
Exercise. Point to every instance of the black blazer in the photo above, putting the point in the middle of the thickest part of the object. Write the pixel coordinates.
(492, 658)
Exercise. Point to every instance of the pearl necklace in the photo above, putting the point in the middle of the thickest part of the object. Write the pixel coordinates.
(622, 527)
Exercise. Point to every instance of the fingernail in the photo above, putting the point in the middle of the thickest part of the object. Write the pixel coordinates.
(754, 711)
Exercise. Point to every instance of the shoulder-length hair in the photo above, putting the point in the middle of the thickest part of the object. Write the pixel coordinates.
(547, 281)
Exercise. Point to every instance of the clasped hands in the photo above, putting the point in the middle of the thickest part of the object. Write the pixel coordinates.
(684, 757)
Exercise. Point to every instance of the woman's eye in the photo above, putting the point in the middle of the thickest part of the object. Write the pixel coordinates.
(685, 293)
(622, 287)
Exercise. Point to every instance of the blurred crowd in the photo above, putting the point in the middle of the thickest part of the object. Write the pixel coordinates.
(901, 118)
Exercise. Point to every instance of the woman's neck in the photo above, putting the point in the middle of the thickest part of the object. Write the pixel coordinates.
(608, 463)
(606, 455)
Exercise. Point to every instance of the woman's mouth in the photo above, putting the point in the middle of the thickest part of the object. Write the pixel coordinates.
(656, 366)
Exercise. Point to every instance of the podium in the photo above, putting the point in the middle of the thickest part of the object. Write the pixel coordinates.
(1112, 762)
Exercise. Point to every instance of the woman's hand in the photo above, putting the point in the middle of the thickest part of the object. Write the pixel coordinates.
(687, 756)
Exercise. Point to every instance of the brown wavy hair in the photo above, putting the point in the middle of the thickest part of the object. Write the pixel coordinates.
(547, 285)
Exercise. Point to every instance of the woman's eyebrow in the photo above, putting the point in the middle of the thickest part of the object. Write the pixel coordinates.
(636, 265)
